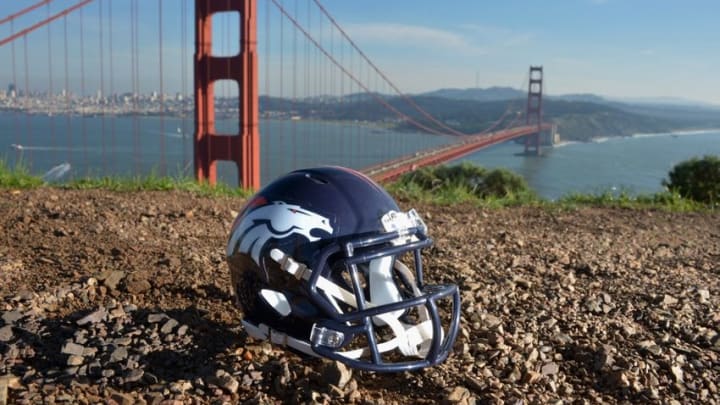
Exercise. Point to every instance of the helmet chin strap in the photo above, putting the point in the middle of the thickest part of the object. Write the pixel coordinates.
(410, 340)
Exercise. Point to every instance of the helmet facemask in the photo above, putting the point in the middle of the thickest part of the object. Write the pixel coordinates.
(381, 316)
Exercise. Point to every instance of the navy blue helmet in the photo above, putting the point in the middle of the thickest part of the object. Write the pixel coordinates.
(317, 263)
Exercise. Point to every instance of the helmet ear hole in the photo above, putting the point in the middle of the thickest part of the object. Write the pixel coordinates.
(277, 300)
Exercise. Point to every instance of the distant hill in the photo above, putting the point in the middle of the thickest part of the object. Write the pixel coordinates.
(664, 101)
(478, 94)
(587, 98)
(579, 117)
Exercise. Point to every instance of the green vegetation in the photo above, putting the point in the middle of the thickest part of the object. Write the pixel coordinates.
(17, 177)
(697, 179)
(693, 186)
(497, 188)
(156, 183)
(20, 178)
(670, 201)
(465, 182)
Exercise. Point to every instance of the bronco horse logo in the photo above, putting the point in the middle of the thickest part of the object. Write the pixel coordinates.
(275, 220)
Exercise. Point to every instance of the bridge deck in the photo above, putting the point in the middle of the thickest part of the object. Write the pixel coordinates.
(393, 169)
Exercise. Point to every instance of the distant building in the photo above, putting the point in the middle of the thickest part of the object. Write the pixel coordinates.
(11, 90)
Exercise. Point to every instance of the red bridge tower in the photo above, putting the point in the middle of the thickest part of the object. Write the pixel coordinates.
(243, 148)
(534, 108)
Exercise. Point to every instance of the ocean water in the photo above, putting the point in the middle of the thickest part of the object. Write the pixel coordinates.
(634, 165)
(63, 147)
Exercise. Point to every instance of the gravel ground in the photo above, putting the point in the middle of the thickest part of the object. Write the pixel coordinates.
(123, 298)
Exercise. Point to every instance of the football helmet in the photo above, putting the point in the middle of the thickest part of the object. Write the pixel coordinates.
(315, 264)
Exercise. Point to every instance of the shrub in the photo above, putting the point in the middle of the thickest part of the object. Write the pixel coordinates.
(468, 179)
(696, 179)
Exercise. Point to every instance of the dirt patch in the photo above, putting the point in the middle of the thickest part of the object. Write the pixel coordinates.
(124, 297)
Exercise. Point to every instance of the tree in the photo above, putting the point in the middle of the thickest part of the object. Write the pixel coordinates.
(696, 179)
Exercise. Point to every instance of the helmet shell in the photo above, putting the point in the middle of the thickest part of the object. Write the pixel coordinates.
(299, 213)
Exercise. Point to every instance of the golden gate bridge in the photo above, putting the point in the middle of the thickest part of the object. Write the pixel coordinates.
(122, 58)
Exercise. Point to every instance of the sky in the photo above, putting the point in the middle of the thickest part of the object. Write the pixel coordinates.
(613, 48)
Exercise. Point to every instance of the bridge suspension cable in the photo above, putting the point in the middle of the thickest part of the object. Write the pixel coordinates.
(24, 11)
(351, 75)
(383, 76)
(44, 22)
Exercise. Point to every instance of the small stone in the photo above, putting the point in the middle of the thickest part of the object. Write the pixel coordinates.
(618, 379)
(169, 326)
(89, 351)
(550, 369)
(704, 295)
(123, 341)
(3, 392)
(11, 381)
(458, 395)
(74, 360)
(182, 330)
(669, 300)
(678, 373)
(492, 321)
(118, 312)
(134, 375)
(337, 374)
(531, 377)
(10, 317)
(137, 286)
(122, 399)
(72, 349)
(650, 347)
(228, 383)
(155, 318)
(6, 333)
(111, 278)
(521, 282)
(93, 317)
(562, 338)
(119, 354)
(533, 356)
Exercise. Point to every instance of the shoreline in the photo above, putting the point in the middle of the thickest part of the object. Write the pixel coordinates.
(681, 132)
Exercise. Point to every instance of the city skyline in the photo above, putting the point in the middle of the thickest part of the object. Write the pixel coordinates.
(611, 48)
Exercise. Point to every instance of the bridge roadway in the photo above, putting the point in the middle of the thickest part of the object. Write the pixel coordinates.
(391, 170)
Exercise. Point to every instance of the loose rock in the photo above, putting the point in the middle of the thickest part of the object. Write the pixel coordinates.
(6, 333)
(597, 305)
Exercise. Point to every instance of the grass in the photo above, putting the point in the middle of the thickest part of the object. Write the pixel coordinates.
(458, 195)
(669, 201)
(156, 183)
(664, 201)
(19, 177)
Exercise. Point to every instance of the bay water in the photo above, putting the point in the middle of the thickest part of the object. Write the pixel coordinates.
(64, 147)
